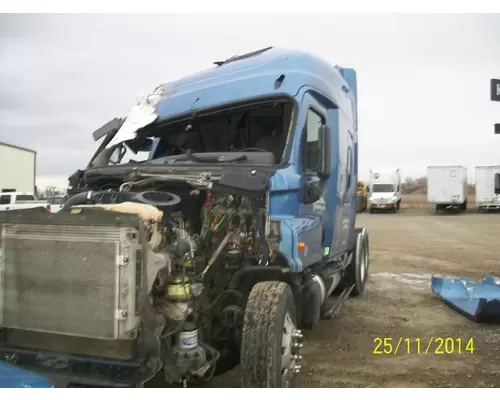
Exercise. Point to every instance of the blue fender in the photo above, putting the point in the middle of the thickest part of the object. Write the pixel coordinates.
(478, 301)
(14, 377)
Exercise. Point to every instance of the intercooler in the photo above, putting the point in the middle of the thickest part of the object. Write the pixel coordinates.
(76, 279)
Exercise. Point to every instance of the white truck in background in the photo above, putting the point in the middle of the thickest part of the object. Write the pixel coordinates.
(487, 188)
(447, 187)
(20, 200)
(56, 203)
(384, 191)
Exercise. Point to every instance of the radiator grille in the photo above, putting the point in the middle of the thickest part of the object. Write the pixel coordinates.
(61, 279)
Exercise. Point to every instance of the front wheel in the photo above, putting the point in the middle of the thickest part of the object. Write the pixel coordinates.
(270, 341)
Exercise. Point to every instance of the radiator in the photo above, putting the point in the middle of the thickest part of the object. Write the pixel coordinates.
(69, 280)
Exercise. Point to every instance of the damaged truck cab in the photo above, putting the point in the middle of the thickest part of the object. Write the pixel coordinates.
(210, 227)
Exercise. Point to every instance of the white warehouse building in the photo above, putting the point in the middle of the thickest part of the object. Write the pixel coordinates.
(17, 169)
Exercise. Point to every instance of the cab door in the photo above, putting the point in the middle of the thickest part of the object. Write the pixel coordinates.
(322, 187)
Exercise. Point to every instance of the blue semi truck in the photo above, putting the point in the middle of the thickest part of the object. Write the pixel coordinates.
(212, 225)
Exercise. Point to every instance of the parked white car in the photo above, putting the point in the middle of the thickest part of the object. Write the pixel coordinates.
(56, 203)
(20, 200)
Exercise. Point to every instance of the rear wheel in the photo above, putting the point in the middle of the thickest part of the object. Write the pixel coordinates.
(270, 340)
(357, 271)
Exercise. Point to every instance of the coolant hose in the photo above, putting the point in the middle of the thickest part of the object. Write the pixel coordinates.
(80, 198)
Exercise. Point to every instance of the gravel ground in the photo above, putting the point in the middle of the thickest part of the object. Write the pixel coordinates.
(406, 249)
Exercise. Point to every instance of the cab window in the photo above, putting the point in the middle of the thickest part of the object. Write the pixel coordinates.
(312, 156)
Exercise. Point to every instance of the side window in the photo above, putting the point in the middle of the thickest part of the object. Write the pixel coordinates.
(24, 197)
(312, 156)
(5, 199)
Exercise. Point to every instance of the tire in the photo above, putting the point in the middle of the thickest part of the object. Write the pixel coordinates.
(268, 327)
(357, 271)
(398, 205)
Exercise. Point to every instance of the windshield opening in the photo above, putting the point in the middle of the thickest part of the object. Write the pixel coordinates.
(383, 188)
(254, 134)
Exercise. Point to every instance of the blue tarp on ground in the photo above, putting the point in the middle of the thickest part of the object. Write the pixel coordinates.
(478, 301)
(15, 377)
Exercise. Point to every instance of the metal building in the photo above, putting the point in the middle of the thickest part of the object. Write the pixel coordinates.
(17, 168)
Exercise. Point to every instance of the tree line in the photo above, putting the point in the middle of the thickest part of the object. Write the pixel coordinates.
(419, 185)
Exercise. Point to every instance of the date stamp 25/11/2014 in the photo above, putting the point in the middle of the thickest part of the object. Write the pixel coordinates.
(434, 345)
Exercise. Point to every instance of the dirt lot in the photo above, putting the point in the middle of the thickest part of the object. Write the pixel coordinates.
(406, 249)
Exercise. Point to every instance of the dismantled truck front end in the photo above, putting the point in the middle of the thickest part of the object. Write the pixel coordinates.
(205, 232)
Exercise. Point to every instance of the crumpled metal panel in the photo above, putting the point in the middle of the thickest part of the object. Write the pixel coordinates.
(478, 301)
(15, 377)
(60, 279)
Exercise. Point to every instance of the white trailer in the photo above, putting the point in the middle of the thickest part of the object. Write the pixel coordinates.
(447, 187)
(487, 187)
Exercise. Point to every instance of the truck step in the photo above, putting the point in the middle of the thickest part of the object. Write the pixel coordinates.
(338, 302)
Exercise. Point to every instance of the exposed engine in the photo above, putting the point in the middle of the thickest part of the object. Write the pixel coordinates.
(197, 240)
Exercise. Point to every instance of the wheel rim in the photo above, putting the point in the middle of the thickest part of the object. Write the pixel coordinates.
(363, 264)
(290, 346)
(367, 259)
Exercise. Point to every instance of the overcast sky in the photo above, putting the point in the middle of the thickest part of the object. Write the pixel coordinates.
(423, 79)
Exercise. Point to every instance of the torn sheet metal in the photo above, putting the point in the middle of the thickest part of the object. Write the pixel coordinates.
(14, 377)
(140, 115)
(478, 301)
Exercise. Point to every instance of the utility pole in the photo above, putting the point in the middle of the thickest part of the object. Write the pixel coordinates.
(495, 96)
